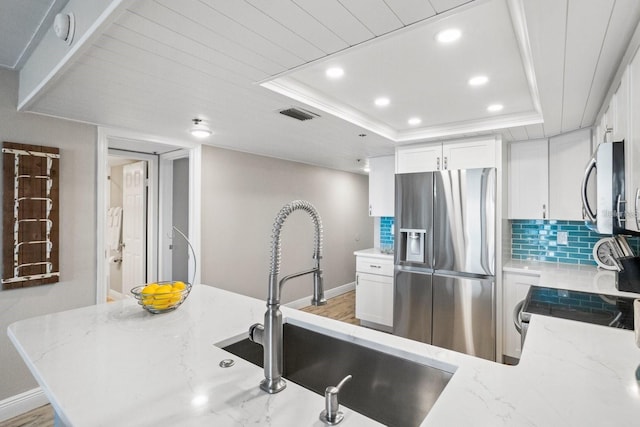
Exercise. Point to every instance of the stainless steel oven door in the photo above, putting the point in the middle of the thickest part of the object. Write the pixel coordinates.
(521, 320)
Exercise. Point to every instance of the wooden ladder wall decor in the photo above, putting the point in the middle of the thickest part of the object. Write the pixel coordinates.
(30, 219)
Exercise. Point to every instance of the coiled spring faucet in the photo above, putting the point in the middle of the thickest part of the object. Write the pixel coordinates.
(270, 335)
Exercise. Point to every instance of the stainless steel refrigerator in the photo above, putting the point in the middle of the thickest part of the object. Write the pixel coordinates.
(445, 259)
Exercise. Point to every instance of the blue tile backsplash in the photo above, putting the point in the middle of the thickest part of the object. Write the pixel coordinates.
(537, 240)
(386, 236)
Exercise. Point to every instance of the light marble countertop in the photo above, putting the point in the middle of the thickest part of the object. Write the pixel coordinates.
(114, 364)
(584, 278)
(374, 253)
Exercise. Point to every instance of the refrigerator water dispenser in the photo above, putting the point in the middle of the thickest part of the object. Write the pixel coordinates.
(414, 244)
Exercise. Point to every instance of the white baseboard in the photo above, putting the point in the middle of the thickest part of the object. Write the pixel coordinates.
(21, 403)
(329, 293)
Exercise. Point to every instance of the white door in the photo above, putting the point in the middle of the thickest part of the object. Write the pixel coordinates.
(134, 225)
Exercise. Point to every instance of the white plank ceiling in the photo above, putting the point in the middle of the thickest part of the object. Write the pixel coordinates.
(22, 25)
(165, 62)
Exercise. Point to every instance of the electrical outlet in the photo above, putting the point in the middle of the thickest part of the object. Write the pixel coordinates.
(563, 237)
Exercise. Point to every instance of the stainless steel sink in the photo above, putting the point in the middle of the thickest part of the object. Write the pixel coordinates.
(386, 388)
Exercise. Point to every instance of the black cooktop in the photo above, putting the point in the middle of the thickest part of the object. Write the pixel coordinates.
(586, 307)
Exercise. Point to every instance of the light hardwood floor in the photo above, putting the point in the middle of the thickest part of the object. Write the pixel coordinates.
(40, 417)
(342, 307)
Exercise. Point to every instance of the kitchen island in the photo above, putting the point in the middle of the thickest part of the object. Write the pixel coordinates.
(115, 364)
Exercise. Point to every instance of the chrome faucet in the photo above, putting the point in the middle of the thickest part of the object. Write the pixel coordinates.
(270, 335)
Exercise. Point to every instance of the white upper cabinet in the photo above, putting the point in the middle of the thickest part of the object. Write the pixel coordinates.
(423, 158)
(469, 154)
(381, 186)
(632, 148)
(529, 179)
(446, 155)
(568, 157)
(621, 118)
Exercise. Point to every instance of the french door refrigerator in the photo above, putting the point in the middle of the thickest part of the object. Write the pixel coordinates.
(445, 259)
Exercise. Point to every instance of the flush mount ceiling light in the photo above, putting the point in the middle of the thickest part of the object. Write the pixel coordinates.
(494, 108)
(199, 129)
(382, 101)
(478, 80)
(414, 121)
(448, 35)
(334, 72)
(64, 25)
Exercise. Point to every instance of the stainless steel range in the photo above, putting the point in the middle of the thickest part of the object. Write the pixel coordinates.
(598, 309)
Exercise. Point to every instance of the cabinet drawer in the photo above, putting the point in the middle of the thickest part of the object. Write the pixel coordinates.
(374, 266)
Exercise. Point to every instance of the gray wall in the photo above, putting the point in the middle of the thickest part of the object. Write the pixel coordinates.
(77, 227)
(241, 195)
(180, 218)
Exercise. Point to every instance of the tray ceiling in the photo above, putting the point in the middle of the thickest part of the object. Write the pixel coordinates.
(161, 63)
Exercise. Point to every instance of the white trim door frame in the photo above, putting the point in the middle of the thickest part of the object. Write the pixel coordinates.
(115, 138)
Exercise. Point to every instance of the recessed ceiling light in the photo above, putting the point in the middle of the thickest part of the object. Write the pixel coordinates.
(449, 35)
(478, 80)
(334, 72)
(413, 121)
(494, 107)
(382, 101)
(199, 129)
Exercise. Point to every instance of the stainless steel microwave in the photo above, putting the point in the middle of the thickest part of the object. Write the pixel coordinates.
(605, 213)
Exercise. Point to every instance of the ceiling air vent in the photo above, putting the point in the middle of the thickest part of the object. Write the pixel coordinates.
(299, 114)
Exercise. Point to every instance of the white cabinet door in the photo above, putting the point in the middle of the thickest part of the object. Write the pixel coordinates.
(423, 158)
(469, 154)
(528, 179)
(621, 119)
(515, 288)
(374, 298)
(568, 156)
(632, 149)
(382, 186)
(447, 155)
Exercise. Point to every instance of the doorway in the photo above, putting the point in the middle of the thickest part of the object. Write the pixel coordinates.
(143, 187)
(131, 209)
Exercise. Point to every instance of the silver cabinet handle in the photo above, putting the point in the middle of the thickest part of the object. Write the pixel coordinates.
(446, 163)
(544, 211)
(375, 266)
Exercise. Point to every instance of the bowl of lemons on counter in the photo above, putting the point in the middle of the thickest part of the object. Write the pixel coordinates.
(161, 297)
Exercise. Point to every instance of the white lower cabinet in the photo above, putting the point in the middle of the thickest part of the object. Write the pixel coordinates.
(374, 290)
(515, 287)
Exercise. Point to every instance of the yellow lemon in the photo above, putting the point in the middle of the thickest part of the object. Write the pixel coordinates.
(150, 289)
(163, 292)
(179, 286)
(175, 299)
(161, 306)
